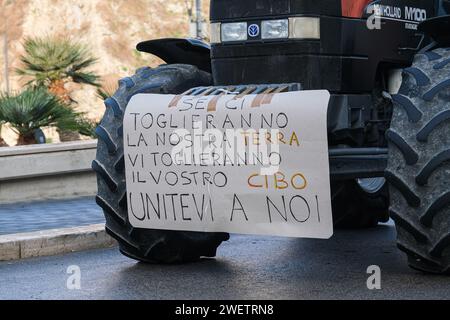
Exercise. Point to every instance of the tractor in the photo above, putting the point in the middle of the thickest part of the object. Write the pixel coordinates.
(386, 65)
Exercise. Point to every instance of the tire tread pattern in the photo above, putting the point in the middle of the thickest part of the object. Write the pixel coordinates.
(420, 195)
(153, 246)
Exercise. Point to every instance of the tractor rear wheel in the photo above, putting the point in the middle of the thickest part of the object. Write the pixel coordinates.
(419, 162)
(153, 246)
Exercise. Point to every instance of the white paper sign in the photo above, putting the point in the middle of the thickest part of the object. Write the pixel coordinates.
(255, 164)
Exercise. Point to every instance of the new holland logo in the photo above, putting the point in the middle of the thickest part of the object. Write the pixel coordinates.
(253, 30)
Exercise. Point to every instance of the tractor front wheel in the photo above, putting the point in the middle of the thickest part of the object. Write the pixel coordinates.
(419, 162)
(153, 246)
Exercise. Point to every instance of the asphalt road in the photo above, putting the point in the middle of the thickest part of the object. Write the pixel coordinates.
(247, 267)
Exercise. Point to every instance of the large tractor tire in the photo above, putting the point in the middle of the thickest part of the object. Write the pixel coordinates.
(152, 246)
(419, 162)
(359, 204)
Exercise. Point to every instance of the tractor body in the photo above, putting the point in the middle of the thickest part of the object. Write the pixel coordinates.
(346, 57)
(342, 47)
(354, 49)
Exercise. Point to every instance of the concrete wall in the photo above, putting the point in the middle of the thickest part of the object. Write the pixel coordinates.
(49, 171)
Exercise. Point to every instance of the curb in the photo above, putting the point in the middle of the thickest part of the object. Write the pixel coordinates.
(53, 242)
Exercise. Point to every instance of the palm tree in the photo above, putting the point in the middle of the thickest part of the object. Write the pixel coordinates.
(52, 63)
(36, 108)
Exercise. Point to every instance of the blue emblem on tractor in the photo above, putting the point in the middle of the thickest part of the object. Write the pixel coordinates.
(253, 30)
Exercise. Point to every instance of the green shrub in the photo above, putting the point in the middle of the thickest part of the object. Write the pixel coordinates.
(36, 108)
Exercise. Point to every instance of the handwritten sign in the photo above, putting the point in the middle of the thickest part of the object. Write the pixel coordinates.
(249, 164)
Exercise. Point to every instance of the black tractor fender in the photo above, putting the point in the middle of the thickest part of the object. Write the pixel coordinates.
(437, 28)
(184, 51)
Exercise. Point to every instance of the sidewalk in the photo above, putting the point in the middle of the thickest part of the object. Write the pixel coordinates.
(49, 214)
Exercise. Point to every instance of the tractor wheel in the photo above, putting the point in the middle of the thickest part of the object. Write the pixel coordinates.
(360, 203)
(419, 162)
(153, 246)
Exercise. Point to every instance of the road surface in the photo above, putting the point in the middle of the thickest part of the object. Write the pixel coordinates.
(247, 267)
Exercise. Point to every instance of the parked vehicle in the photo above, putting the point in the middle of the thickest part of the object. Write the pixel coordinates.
(382, 126)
